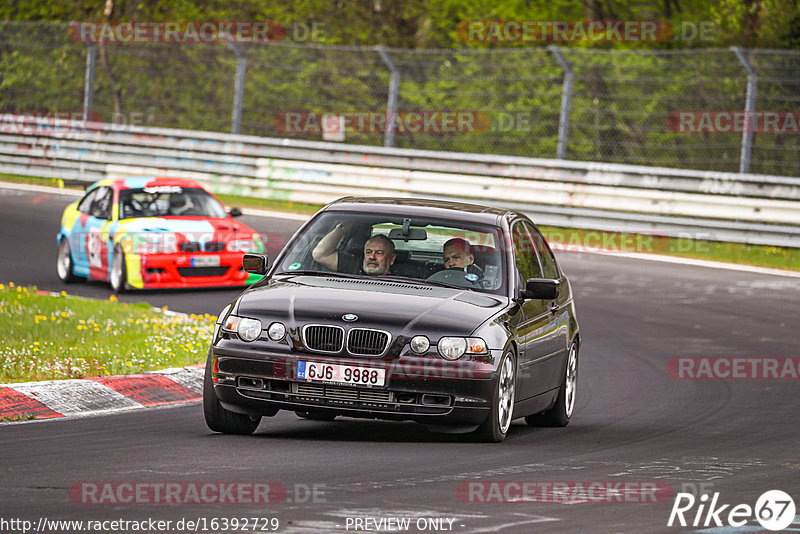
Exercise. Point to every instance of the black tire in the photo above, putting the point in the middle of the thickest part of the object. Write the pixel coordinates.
(218, 418)
(316, 416)
(64, 264)
(496, 426)
(560, 414)
(118, 275)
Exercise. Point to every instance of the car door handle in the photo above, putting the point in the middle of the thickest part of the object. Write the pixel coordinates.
(554, 308)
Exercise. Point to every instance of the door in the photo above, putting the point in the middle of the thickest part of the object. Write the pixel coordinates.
(537, 329)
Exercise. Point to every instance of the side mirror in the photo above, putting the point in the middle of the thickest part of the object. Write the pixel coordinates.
(540, 288)
(255, 263)
(235, 212)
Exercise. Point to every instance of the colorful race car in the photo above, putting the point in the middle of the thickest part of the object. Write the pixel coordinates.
(149, 233)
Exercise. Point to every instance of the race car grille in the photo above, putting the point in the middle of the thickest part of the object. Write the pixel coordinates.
(202, 271)
(194, 246)
(215, 246)
(342, 393)
(322, 338)
(189, 246)
(364, 342)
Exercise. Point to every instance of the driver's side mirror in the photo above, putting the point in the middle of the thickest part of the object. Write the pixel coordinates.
(540, 288)
(255, 263)
(235, 212)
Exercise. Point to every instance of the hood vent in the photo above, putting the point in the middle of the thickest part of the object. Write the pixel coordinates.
(378, 283)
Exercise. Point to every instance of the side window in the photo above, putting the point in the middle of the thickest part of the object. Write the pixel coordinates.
(525, 253)
(549, 267)
(85, 205)
(101, 207)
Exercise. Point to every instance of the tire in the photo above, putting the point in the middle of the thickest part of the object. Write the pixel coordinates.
(496, 426)
(218, 418)
(64, 265)
(560, 414)
(315, 416)
(118, 277)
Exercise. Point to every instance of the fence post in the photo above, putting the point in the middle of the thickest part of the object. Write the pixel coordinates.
(88, 84)
(238, 88)
(391, 104)
(749, 110)
(566, 102)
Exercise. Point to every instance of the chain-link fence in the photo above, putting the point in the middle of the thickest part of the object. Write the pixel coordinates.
(679, 108)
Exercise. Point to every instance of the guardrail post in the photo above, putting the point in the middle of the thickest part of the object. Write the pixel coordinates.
(566, 102)
(749, 110)
(88, 84)
(391, 103)
(238, 88)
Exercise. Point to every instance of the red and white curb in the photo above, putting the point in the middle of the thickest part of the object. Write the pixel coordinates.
(99, 395)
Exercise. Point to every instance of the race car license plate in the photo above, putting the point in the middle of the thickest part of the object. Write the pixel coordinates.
(205, 261)
(341, 374)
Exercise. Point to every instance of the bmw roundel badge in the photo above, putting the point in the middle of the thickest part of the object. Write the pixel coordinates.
(350, 317)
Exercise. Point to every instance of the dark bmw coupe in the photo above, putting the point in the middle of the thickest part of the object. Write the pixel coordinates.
(453, 315)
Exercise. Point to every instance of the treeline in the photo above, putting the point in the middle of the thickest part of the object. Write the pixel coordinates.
(440, 23)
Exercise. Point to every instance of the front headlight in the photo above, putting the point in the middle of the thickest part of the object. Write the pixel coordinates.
(247, 329)
(452, 348)
(420, 344)
(243, 245)
(276, 331)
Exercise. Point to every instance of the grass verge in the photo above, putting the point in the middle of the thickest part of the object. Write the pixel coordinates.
(48, 337)
(756, 255)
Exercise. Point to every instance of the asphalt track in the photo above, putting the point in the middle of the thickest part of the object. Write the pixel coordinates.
(632, 422)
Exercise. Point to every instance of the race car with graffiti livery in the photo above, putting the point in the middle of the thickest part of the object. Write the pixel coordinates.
(152, 233)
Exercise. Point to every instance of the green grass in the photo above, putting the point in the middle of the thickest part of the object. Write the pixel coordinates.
(49, 337)
(739, 253)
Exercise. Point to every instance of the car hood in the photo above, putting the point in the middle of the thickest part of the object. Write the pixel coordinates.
(400, 308)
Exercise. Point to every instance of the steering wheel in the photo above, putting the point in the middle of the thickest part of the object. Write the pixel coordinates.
(471, 277)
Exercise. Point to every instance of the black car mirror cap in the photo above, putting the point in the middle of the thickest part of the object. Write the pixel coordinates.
(541, 288)
(255, 263)
(235, 212)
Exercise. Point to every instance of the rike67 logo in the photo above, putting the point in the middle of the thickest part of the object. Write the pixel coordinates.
(774, 510)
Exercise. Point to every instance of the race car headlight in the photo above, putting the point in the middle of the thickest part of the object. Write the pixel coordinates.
(243, 245)
(452, 348)
(276, 331)
(420, 344)
(247, 329)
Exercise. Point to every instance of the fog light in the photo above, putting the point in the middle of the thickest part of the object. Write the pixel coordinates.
(420, 344)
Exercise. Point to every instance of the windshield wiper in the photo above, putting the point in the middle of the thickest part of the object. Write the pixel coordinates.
(320, 273)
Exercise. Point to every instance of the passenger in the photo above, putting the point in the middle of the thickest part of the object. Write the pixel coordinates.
(456, 254)
(379, 254)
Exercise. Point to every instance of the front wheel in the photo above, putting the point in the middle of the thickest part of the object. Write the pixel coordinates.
(496, 426)
(119, 271)
(218, 418)
(64, 266)
(560, 414)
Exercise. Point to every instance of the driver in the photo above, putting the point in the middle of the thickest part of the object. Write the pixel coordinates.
(379, 254)
(456, 254)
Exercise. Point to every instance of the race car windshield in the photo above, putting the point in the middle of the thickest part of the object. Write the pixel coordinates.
(474, 251)
(168, 201)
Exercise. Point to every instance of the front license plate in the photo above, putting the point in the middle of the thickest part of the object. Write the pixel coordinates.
(341, 374)
(205, 261)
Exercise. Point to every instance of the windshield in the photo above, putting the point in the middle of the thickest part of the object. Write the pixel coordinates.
(168, 201)
(414, 250)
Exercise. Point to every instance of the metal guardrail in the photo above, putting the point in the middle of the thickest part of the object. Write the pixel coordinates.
(701, 204)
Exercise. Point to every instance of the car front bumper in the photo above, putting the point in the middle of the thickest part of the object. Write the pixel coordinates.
(436, 393)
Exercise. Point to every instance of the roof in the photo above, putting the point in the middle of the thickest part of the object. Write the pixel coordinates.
(421, 207)
(137, 182)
